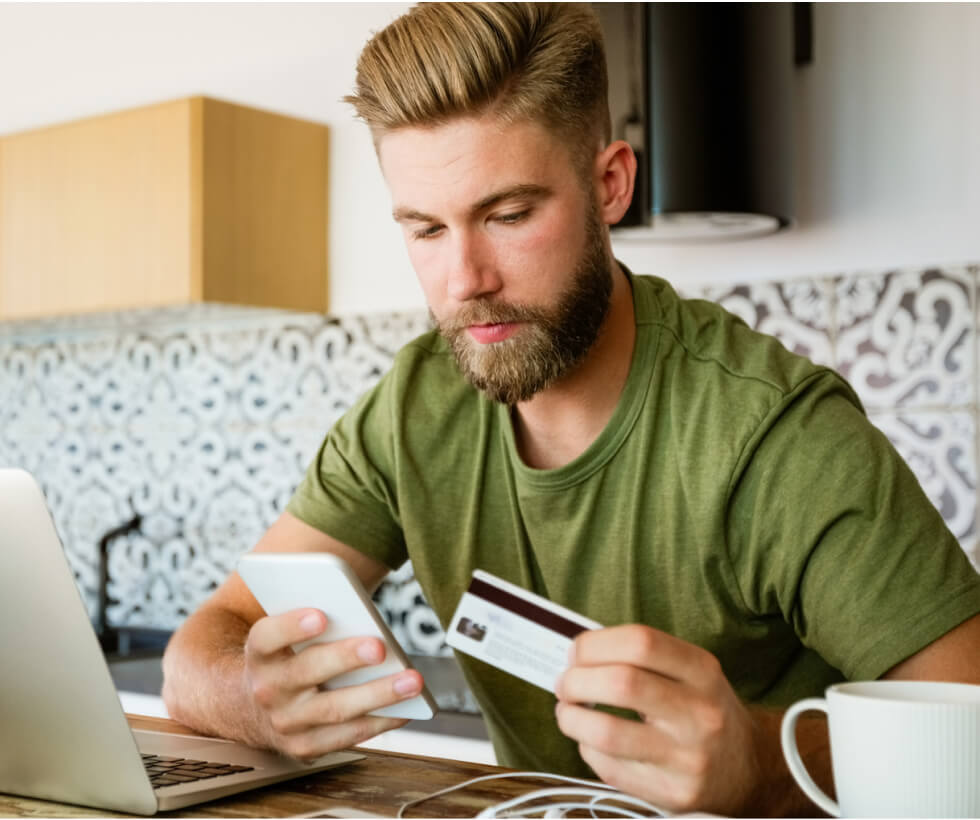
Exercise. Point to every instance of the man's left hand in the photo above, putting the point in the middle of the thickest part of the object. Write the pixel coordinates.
(694, 747)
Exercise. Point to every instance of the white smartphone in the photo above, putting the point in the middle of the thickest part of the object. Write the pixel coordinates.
(282, 582)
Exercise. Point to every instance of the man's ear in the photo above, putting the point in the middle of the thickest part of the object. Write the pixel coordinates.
(615, 176)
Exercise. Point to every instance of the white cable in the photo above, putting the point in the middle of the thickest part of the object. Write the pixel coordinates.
(441, 792)
(560, 810)
(606, 794)
(600, 792)
(599, 799)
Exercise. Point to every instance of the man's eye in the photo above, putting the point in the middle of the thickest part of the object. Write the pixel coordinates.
(427, 233)
(514, 218)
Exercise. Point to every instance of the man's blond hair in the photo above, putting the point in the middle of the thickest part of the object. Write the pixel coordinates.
(537, 62)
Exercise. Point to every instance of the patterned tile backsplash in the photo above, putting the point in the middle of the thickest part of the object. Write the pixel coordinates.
(798, 313)
(906, 339)
(202, 419)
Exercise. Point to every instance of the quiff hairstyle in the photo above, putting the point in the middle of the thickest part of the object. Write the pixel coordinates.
(538, 62)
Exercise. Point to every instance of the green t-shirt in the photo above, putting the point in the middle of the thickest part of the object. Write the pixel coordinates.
(738, 499)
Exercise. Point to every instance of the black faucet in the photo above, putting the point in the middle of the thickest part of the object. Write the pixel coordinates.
(123, 641)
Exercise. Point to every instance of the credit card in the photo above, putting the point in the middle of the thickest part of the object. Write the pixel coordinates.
(515, 630)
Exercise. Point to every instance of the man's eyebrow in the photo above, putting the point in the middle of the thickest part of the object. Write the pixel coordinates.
(520, 191)
(411, 215)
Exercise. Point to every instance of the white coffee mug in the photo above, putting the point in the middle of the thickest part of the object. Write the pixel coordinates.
(898, 749)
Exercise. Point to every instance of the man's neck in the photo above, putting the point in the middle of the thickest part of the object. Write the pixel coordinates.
(558, 424)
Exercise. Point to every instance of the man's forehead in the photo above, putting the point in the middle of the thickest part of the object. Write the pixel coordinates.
(469, 162)
(457, 141)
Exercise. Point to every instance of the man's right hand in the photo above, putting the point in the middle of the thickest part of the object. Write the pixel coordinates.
(301, 720)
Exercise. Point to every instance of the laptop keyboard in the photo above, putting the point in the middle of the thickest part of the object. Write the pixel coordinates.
(172, 771)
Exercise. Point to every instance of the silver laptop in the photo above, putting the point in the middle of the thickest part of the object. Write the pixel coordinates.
(63, 733)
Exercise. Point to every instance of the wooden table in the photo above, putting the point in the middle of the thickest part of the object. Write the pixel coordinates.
(378, 785)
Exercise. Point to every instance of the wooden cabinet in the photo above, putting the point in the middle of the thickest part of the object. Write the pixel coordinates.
(191, 200)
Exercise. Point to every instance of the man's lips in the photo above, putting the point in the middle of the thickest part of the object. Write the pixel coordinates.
(487, 334)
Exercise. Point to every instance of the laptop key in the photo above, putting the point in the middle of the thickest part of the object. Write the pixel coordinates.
(182, 778)
(172, 771)
(194, 774)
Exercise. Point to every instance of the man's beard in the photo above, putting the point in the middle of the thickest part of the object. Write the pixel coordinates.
(551, 341)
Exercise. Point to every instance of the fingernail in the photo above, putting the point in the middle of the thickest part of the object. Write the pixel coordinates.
(311, 623)
(407, 685)
(369, 652)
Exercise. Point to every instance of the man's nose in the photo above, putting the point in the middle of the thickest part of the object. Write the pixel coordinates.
(472, 271)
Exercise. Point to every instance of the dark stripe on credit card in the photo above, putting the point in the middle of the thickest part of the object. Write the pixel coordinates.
(527, 609)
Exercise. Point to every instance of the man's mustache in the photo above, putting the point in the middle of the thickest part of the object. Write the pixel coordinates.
(489, 313)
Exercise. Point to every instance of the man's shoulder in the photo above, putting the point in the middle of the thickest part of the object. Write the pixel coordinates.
(707, 336)
(428, 356)
(424, 370)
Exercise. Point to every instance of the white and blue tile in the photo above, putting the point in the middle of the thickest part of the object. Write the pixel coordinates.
(200, 419)
(797, 312)
(906, 339)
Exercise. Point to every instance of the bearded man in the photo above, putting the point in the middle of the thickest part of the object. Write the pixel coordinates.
(723, 506)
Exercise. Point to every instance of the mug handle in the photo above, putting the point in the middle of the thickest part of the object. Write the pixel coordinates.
(792, 754)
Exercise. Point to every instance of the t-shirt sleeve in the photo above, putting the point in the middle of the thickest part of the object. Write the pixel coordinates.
(829, 529)
(348, 491)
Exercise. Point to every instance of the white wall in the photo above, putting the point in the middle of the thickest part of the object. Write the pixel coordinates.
(888, 115)
(888, 152)
(61, 61)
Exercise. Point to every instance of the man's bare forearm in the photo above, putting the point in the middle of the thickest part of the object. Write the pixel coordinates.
(779, 794)
(204, 684)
